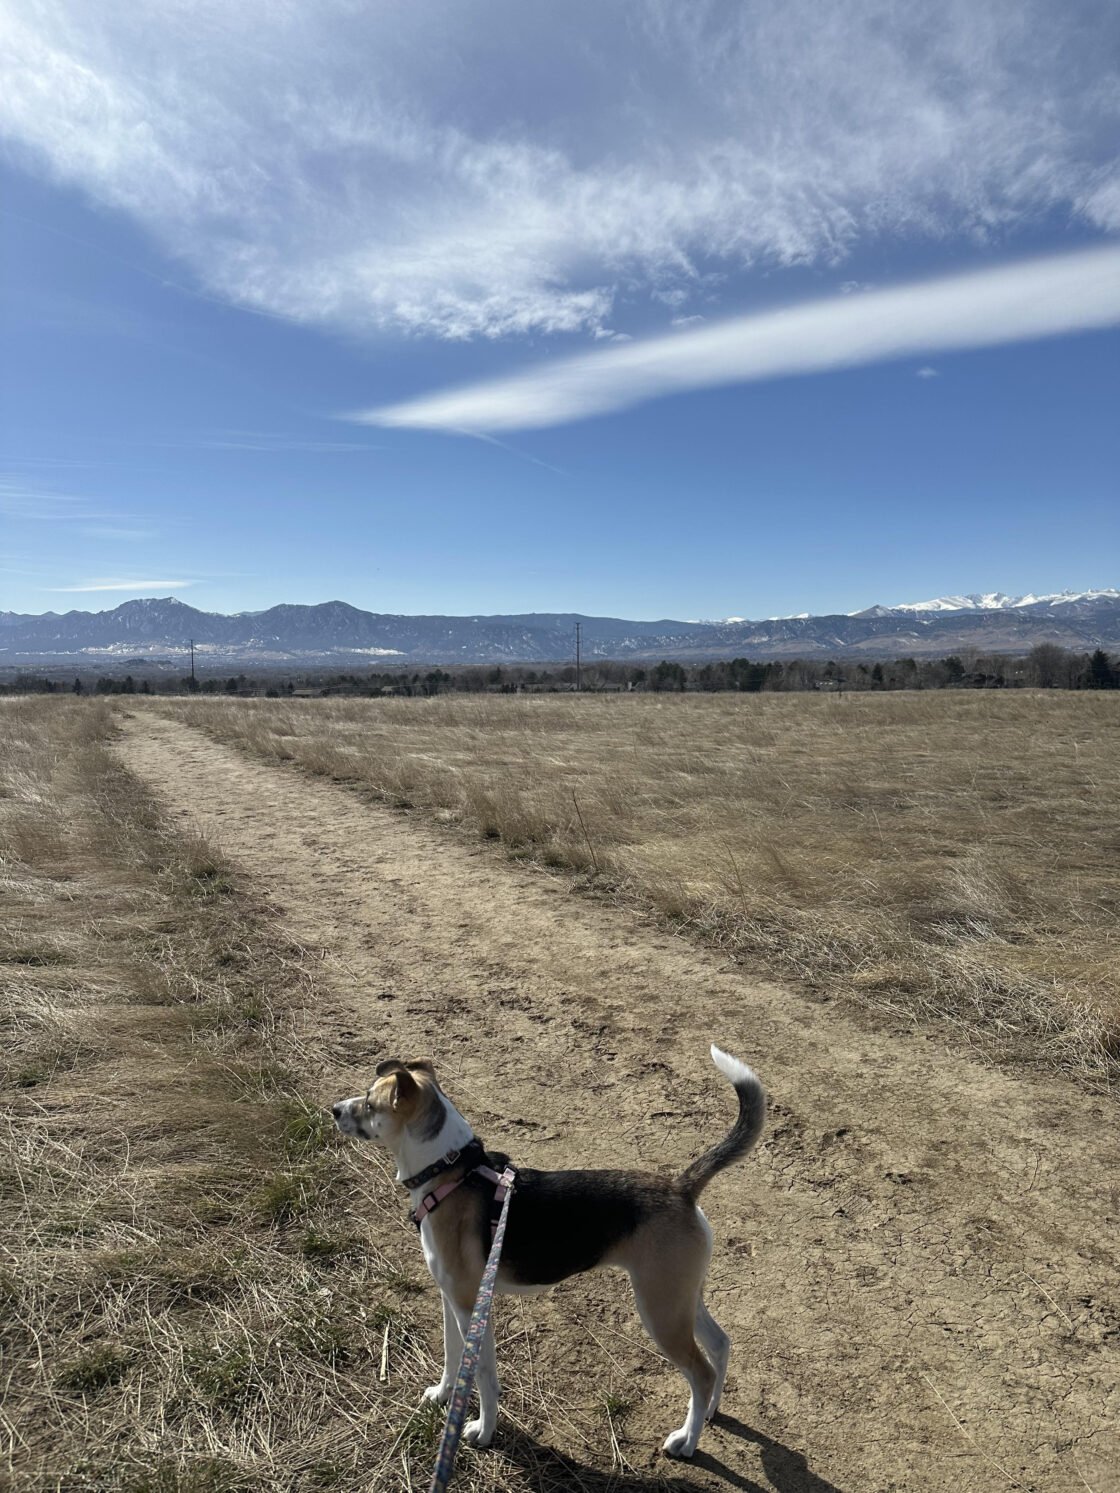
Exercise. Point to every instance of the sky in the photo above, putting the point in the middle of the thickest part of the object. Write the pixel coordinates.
(641, 309)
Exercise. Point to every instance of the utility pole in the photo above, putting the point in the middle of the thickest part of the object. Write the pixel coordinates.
(579, 681)
(192, 661)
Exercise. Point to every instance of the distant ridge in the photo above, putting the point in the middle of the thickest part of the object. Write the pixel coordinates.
(160, 628)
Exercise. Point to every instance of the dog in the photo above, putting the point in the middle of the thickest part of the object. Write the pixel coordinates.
(559, 1223)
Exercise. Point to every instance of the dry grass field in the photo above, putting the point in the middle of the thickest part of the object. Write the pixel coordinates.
(948, 856)
(204, 1291)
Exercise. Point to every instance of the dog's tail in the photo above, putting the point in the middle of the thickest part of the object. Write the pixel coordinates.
(743, 1134)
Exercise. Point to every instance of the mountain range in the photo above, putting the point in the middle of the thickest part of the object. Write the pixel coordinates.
(159, 631)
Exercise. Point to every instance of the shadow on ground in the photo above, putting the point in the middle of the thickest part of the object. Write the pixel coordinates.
(787, 1471)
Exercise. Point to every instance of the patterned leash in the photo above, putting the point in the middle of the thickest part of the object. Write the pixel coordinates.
(472, 1347)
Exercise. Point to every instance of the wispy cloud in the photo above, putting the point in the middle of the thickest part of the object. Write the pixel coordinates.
(266, 441)
(22, 499)
(1037, 298)
(339, 164)
(927, 372)
(119, 585)
(112, 531)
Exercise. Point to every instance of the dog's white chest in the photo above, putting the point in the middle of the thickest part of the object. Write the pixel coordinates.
(439, 1272)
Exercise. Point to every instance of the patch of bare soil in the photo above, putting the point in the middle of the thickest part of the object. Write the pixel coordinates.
(917, 1268)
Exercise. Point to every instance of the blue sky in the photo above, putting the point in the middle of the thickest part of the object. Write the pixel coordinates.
(643, 309)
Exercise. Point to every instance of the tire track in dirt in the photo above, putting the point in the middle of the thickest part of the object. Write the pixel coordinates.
(918, 1268)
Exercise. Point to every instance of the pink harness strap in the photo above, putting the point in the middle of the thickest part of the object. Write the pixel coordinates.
(502, 1185)
(432, 1200)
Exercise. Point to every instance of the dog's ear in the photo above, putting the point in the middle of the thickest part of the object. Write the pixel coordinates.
(405, 1086)
(420, 1065)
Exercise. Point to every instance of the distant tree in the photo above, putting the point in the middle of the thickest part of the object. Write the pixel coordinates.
(77, 686)
(1101, 673)
(1049, 665)
(668, 675)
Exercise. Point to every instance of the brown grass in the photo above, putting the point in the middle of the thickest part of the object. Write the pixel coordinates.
(190, 1301)
(949, 857)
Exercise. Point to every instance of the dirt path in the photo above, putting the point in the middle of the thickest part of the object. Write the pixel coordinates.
(918, 1269)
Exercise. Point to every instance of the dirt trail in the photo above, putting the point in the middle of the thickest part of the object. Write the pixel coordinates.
(918, 1268)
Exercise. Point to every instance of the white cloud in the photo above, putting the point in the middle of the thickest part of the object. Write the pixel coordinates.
(116, 585)
(501, 168)
(927, 372)
(1036, 298)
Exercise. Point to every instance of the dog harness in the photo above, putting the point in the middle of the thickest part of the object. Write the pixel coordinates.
(502, 1183)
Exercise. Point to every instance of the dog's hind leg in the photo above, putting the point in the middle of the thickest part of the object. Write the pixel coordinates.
(669, 1315)
(440, 1393)
(717, 1345)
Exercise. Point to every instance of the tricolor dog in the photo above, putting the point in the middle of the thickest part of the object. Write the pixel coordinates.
(559, 1223)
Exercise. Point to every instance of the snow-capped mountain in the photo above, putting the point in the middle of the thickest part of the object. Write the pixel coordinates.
(997, 601)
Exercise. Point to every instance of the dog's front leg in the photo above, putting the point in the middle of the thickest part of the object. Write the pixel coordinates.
(480, 1432)
(440, 1393)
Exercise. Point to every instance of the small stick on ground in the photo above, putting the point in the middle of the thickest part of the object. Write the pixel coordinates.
(1014, 1481)
(586, 836)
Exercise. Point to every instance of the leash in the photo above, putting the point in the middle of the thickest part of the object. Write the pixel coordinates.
(472, 1348)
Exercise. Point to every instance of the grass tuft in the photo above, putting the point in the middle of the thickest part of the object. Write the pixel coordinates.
(97, 1368)
(283, 1198)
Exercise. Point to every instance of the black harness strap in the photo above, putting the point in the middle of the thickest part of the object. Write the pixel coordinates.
(470, 1156)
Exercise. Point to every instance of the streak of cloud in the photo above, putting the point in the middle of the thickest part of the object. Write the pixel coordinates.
(1014, 303)
(112, 531)
(119, 585)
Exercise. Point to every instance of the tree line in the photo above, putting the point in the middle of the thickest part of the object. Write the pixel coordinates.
(1046, 666)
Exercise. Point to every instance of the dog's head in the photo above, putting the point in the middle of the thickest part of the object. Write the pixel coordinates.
(403, 1096)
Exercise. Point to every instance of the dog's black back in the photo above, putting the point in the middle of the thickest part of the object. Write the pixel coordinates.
(563, 1222)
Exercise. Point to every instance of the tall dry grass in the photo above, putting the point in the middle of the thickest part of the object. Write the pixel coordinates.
(201, 1290)
(948, 856)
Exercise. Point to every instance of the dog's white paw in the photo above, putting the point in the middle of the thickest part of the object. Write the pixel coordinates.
(679, 1444)
(437, 1394)
(477, 1434)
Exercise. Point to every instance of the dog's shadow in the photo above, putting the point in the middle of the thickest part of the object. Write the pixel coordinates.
(787, 1471)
